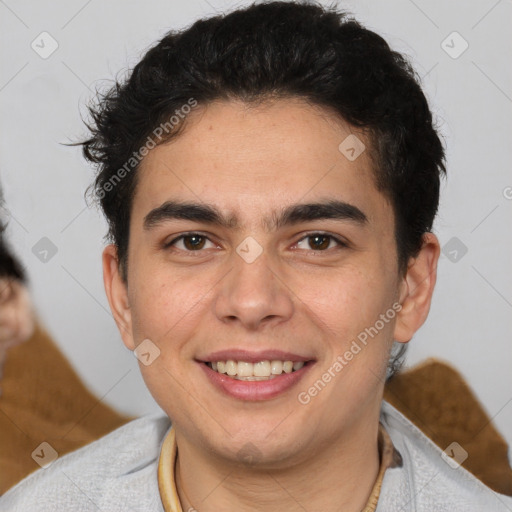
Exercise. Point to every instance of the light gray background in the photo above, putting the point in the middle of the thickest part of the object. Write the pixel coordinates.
(44, 181)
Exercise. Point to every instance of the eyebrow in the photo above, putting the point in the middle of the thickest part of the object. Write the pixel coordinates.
(289, 216)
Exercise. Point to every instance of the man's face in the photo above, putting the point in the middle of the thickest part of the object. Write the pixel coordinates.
(254, 285)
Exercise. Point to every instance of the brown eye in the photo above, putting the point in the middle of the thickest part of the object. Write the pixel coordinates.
(194, 242)
(190, 242)
(319, 242)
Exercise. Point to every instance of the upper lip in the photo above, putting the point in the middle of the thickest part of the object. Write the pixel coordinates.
(253, 357)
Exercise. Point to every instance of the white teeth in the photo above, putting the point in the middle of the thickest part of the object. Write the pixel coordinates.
(262, 370)
(231, 367)
(244, 369)
(277, 367)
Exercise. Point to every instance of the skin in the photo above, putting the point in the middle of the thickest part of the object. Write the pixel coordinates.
(250, 162)
(16, 316)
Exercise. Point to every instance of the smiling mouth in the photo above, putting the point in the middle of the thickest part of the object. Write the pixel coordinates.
(262, 370)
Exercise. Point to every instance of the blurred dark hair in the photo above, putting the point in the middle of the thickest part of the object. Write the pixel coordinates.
(9, 266)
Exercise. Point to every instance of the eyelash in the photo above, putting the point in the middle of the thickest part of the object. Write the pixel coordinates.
(341, 243)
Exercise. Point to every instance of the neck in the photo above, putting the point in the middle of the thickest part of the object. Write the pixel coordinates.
(339, 476)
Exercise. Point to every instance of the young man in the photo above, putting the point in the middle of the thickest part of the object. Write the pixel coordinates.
(270, 179)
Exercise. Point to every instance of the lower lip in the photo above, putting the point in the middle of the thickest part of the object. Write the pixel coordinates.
(255, 390)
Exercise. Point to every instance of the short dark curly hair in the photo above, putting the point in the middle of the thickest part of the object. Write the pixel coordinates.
(266, 51)
(272, 50)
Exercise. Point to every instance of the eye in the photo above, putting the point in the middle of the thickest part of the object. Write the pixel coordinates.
(190, 242)
(321, 242)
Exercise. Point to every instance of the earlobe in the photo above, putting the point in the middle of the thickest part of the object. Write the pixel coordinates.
(117, 294)
(417, 289)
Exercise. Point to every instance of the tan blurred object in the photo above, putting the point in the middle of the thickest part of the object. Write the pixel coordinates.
(43, 399)
(436, 398)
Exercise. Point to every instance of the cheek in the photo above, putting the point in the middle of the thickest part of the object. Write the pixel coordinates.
(168, 310)
(163, 303)
(349, 301)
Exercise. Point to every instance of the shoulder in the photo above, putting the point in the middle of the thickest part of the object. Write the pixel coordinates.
(118, 472)
(428, 479)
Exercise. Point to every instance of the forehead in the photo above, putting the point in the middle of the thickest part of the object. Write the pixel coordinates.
(257, 159)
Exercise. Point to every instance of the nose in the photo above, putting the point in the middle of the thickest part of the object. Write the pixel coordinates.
(253, 295)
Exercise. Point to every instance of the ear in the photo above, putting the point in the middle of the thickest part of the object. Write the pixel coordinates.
(417, 288)
(117, 294)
